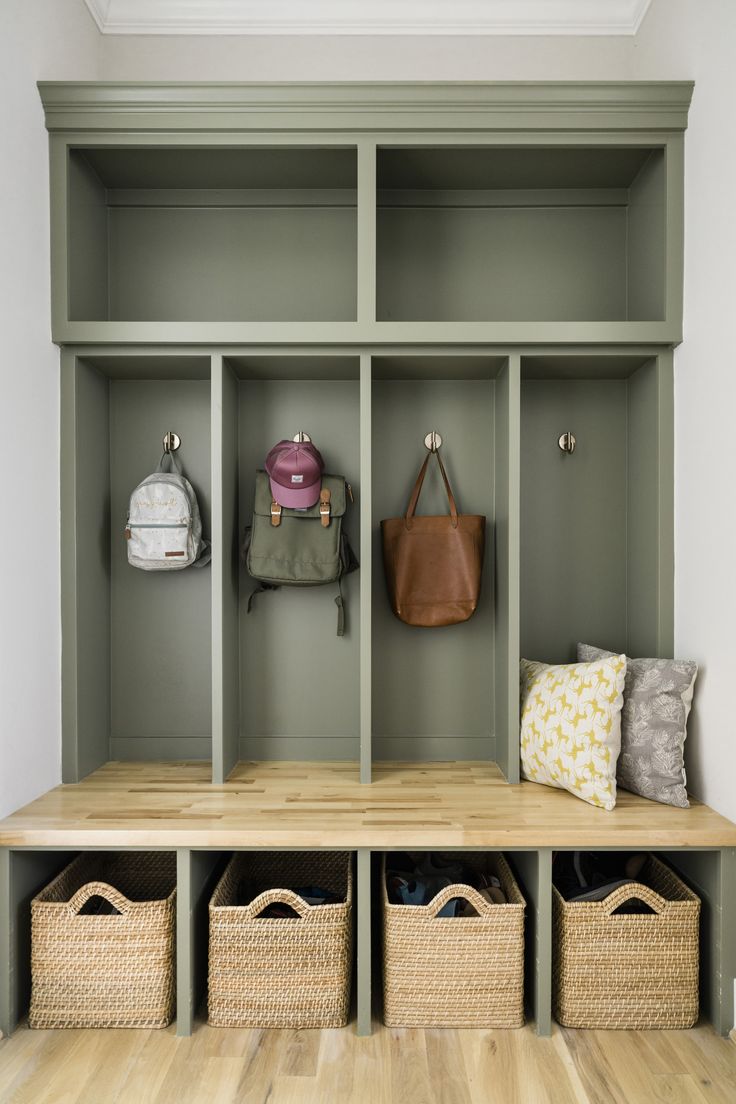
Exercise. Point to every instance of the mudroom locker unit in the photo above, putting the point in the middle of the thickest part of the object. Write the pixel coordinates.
(237, 263)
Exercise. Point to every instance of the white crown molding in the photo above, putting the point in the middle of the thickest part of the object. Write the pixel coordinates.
(368, 17)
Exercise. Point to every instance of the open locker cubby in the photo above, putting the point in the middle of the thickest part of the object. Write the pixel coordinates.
(442, 693)
(291, 686)
(549, 233)
(212, 234)
(136, 652)
(596, 525)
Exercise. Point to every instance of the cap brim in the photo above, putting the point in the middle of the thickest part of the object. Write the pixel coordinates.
(296, 498)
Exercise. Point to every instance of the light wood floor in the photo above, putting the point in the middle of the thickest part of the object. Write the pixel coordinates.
(391, 1067)
(274, 804)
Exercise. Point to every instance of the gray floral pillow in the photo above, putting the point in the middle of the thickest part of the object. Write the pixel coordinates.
(657, 697)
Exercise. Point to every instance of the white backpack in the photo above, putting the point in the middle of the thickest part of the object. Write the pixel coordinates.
(164, 529)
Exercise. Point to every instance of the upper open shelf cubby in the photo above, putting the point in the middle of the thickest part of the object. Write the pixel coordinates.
(538, 234)
(212, 234)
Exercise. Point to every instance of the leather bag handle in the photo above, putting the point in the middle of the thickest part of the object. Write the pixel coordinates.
(409, 516)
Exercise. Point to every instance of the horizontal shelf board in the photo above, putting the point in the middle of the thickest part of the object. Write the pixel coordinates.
(581, 366)
(368, 106)
(512, 168)
(266, 367)
(249, 167)
(366, 333)
(231, 197)
(436, 367)
(503, 197)
(145, 366)
(323, 805)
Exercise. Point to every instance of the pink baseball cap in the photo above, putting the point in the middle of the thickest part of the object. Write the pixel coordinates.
(295, 472)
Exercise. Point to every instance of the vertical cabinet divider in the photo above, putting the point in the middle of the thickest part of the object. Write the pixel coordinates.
(366, 588)
(366, 231)
(506, 531)
(225, 576)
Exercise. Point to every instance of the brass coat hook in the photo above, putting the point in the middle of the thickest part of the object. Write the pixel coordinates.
(172, 441)
(433, 441)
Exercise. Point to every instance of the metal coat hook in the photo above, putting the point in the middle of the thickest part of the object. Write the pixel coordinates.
(567, 442)
(301, 436)
(433, 441)
(172, 441)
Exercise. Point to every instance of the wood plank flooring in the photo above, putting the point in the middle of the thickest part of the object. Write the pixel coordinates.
(323, 805)
(392, 1066)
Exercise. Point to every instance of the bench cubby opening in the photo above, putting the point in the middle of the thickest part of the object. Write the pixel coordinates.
(434, 694)
(136, 651)
(596, 525)
(292, 685)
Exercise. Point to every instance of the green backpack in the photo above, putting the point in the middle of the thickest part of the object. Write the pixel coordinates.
(300, 548)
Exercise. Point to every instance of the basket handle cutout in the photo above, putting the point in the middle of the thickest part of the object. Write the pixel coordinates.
(459, 892)
(634, 891)
(279, 897)
(98, 889)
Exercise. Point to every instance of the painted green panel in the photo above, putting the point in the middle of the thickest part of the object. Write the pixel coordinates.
(221, 264)
(366, 572)
(225, 571)
(159, 621)
(421, 748)
(506, 106)
(92, 572)
(573, 517)
(512, 264)
(364, 908)
(22, 875)
(643, 527)
(701, 870)
(526, 868)
(433, 682)
(87, 214)
(646, 241)
(480, 167)
(235, 168)
(316, 747)
(506, 531)
(196, 877)
(298, 679)
(152, 747)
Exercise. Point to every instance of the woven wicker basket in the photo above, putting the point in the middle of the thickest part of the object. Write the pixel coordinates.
(105, 970)
(460, 971)
(628, 971)
(281, 972)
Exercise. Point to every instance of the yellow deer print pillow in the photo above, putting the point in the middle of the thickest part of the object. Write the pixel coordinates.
(571, 726)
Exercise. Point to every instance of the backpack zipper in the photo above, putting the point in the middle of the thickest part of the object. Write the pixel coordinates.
(156, 525)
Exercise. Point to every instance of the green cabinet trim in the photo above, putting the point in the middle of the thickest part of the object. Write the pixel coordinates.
(354, 106)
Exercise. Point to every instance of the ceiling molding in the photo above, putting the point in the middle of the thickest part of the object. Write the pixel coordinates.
(368, 17)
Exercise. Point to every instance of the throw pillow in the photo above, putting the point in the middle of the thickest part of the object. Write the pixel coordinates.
(571, 726)
(657, 699)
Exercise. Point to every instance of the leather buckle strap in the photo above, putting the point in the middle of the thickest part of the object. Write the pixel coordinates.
(325, 506)
(275, 513)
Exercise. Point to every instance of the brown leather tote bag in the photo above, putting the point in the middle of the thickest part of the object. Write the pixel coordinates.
(433, 564)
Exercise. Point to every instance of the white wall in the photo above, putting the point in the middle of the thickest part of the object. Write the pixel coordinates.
(38, 38)
(679, 39)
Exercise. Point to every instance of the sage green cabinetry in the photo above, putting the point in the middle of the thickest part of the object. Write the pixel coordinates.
(366, 263)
